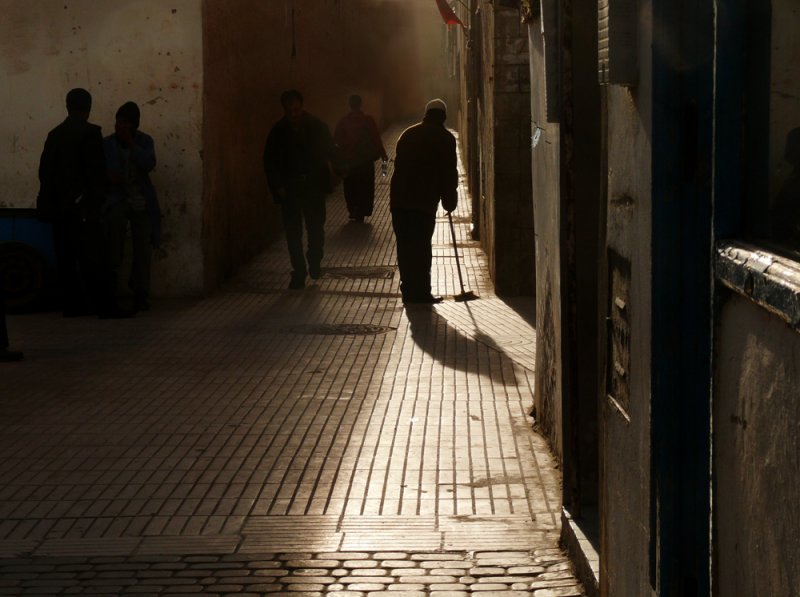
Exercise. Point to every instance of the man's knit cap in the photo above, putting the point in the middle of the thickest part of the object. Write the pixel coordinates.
(436, 104)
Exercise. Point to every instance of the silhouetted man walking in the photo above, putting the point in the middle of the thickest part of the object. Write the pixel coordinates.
(425, 172)
(360, 143)
(297, 158)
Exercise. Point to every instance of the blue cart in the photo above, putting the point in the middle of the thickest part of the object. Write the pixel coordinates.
(27, 260)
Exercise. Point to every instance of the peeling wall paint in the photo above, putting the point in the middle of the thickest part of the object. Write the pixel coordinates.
(148, 51)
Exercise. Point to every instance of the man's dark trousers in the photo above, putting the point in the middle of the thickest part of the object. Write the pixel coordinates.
(304, 203)
(116, 221)
(359, 190)
(78, 244)
(414, 232)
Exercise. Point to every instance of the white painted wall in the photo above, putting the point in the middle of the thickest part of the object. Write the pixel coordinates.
(148, 51)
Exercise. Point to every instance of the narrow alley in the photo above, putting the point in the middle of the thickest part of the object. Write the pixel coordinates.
(264, 440)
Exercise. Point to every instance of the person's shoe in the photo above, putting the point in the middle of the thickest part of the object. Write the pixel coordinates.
(10, 356)
(314, 271)
(297, 282)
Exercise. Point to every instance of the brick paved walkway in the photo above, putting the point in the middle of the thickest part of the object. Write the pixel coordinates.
(323, 441)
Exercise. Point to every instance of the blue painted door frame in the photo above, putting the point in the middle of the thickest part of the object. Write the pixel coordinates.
(682, 135)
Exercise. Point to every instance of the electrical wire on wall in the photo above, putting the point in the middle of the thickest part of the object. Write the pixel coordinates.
(288, 22)
(294, 38)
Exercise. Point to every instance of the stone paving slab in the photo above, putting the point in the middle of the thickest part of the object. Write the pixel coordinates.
(265, 422)
(363, 573)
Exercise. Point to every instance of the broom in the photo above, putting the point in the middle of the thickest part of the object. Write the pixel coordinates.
(465, 295)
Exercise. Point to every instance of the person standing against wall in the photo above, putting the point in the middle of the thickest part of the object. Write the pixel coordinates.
(71, 176)
(425, 172)
(358, 138)
(131, 199)
(298, 157)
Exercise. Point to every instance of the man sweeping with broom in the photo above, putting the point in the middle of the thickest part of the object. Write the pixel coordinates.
(425, 172)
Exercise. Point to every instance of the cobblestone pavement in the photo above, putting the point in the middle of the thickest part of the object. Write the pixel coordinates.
(265, 440)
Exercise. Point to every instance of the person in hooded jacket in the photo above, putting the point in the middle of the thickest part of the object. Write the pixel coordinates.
(131, 199)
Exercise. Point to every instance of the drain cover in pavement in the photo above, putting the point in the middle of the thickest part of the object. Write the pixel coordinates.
(340, 329)
(378, 273)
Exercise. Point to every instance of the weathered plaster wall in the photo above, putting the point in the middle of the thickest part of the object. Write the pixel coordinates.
(391, 52)
(515, 266)
(147, 51)
(756, 454)
(546, 201)
(467, 51)
(485, 136)
(625, 436)
(504, 116)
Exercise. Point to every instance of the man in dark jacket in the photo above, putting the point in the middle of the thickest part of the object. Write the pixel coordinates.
(71, 176)
(297, 158)
(425, 172)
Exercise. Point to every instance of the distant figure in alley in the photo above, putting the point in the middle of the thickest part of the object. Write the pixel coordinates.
(359, 140)
(425, 172)
(298, 157)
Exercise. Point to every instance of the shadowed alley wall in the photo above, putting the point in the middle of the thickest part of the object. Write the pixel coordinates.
(569, 185)
(391, 52)
(546, 201)
(495, 118)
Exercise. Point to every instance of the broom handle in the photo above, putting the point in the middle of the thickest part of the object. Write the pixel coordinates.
(455, 249)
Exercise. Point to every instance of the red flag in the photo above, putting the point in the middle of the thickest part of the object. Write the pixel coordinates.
(450, 18)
